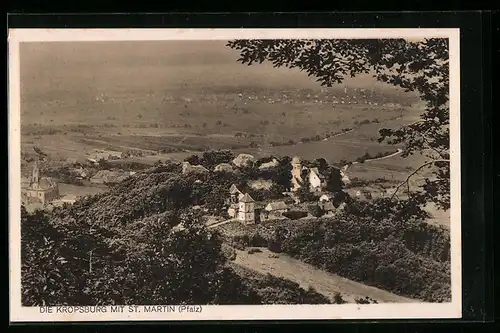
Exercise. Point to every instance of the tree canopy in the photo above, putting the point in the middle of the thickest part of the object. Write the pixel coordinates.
(416, 66)
(140, 243)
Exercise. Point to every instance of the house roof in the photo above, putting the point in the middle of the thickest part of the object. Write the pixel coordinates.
(246, 198)
(233, 189)
(243, 159)
(278, 205)
(316, 171)
(326, 197)
(223, 167)
(187, 168)
(46, 183)
(271, 164)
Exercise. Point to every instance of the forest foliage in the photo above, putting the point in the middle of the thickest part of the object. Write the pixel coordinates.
(138, 243)
(406, 256)
(418, 66)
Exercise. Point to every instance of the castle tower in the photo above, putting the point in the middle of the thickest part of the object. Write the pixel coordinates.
(35, 176)
(246, 209)
(296, 173)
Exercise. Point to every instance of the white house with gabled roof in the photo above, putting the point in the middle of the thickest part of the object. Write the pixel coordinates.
(317, 181)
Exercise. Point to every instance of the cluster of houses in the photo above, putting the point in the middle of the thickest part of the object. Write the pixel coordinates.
(353, 96)
(243, 207)
(43, 192)
(239, 161)
(96, 155)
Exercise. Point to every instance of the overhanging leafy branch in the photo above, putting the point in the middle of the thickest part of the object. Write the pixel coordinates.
(420, 66)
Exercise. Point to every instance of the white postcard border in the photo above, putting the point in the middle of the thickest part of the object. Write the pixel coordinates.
(18, 313)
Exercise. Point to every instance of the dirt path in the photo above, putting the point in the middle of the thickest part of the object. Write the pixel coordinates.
(217, 224)
(306, 275)
(399, 151)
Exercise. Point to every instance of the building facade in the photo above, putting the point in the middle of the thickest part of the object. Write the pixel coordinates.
(274, 210)
(311, 176)
(246, 209)
(296, 173)
(317, 181)
(40, 189)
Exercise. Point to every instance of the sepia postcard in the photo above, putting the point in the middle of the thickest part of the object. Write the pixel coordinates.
(234, 174)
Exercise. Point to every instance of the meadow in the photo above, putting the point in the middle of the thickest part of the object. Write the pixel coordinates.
(260, 129)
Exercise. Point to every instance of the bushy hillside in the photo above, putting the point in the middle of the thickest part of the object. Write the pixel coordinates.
(135, 244)
(380, 244)
(139, 243)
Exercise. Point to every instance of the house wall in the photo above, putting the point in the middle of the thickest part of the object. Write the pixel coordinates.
(296, 176)
(232, 211)
(246, 212)
(52, 194)
(314, 181)
(43, 195)
(33, 194)
(247, 217)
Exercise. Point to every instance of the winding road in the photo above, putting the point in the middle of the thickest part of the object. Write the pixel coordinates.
(398, 152)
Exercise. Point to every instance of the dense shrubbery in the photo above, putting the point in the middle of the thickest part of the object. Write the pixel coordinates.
(368, 156)
(127, 165)
(386, 245)
(147, 262)
(125, 247)
(357, 182)
(408, 257)
(274, 290)
(65, 175)
(366, 300)
(134, 198)
(295, 214)
(167, 166)
(46, 277)
(211, 158)
(316, 211)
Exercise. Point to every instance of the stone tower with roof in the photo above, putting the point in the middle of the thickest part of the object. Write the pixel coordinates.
(40, 189)
(296, 173)
(246, 209)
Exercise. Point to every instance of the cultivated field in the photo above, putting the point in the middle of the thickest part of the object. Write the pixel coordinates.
(77, 97)
(240, 133)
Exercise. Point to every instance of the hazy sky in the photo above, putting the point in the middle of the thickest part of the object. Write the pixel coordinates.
(169, 64)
